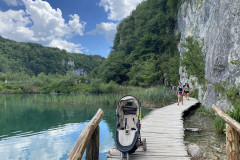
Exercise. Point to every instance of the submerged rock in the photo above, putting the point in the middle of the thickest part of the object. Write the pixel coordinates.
(192, 129)
(194, 151)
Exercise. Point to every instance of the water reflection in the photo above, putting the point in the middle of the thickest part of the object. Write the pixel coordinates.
(33, 130)
(51, 144)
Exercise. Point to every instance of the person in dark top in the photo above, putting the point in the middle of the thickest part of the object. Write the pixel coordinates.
(179, 92)
(186, 91)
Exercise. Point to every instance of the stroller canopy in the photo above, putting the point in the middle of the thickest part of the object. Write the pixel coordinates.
(128, 102)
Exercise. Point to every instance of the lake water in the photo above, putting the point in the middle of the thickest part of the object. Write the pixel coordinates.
(46, 127)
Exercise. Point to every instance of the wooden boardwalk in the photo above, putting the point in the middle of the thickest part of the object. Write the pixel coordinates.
(163, 129)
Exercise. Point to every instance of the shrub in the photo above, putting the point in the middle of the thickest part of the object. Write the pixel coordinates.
(193, 59)
(109, 87)
(194, 93)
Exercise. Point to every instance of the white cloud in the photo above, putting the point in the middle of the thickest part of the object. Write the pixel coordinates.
(13, 2)
(119, 9)
(12, 25)
(75, 25)
(48, 21)
(68, 46)
(107, 29)
(42, 24)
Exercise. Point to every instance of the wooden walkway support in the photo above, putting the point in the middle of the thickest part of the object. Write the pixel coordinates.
(89, 138)
(163, 129)
(232, 134)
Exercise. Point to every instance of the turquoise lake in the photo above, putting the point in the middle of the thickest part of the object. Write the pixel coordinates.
(47, 126)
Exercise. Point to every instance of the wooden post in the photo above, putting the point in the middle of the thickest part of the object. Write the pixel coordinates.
(83, 139)
(93, 146)
(232, 138)
(232, 134)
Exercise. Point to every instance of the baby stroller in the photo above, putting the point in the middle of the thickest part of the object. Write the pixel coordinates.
(127, 135)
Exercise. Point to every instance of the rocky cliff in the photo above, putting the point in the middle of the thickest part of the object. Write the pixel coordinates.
(217, 22)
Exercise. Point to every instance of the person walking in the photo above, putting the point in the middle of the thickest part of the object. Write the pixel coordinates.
(179, 92)
(186, 91)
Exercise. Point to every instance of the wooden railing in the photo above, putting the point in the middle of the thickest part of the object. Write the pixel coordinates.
(89, 138)
(232, 134)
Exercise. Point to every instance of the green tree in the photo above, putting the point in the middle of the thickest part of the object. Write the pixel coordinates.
(114, 68)
(147, 46)
(33, 59)
(193, 58)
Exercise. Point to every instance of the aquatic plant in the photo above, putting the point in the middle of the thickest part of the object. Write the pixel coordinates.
(155, 96)
(159, 96)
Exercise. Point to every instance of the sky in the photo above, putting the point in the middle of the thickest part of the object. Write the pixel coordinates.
(78, 26)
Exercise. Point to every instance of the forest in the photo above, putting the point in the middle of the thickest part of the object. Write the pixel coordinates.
(33, 59)
(145, 47)
(144, 54)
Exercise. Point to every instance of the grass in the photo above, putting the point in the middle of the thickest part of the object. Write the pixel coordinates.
(153, 97)
(159, 96)
(81, 92)
(206, 112)
(219, 124)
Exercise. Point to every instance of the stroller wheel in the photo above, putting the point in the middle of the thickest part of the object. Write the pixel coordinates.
(144, 144)
(121, 156)
(127, 156)
(124, 156)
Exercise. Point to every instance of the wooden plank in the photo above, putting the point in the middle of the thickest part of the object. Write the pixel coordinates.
(114, 152)
(159, 158)
(83, 139)
(163, 129)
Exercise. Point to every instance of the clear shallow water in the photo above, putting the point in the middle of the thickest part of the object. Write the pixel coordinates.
(210, 142)
(32, 130)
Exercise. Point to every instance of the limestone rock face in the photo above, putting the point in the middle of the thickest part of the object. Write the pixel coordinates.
(217, 22)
